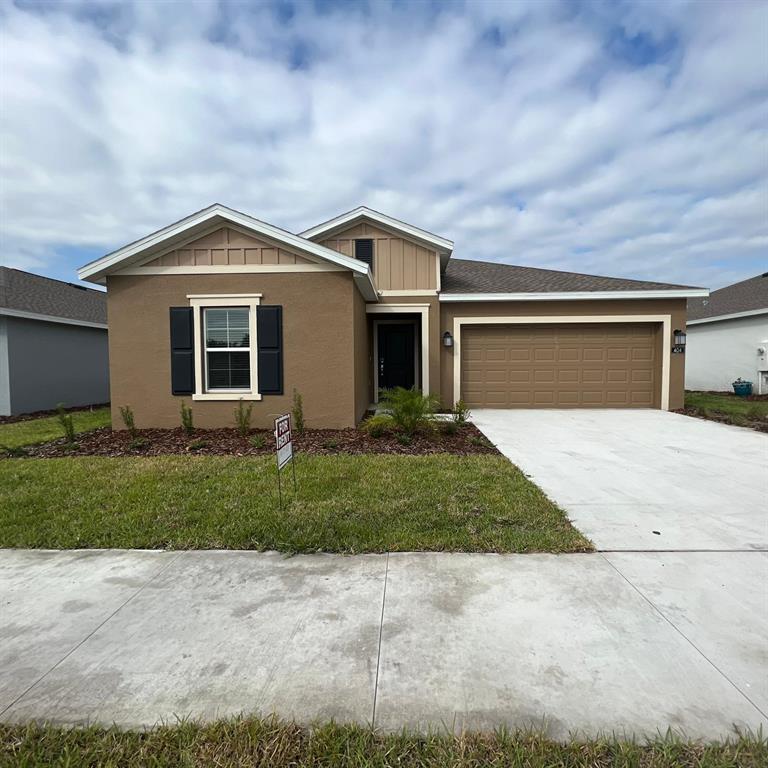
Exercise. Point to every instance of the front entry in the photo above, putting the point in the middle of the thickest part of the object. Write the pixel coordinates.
(396, 350)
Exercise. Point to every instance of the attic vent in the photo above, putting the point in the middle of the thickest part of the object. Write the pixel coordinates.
(364, 251)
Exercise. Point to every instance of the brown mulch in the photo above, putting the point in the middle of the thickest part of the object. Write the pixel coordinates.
(222, 442)
(54, 412)
(760, 425)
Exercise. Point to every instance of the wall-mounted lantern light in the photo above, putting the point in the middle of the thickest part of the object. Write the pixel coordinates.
(447, 339)
(678, 345)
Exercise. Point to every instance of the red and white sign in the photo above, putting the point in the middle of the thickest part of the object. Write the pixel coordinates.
(283, 442)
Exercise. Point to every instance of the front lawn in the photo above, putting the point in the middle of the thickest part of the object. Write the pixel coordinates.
(367, 503)
(274, 743)
(728, 408)
(32, 431)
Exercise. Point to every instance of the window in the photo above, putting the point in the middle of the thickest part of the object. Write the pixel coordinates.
(364, 251)
(227, 348)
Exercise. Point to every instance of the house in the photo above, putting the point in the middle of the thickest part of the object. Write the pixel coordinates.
(728, 337)
(53, 344)
(220, 307)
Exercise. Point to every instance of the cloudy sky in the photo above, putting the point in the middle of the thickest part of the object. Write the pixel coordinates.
(621, 138)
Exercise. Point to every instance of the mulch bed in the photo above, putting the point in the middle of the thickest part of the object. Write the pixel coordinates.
(222, 442)
(54, 412)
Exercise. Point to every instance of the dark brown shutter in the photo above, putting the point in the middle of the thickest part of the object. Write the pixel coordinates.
(364, 251)
(182, 351)
(269, 332)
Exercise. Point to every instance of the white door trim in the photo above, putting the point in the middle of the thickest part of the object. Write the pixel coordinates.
(404, 309)
(665, 320)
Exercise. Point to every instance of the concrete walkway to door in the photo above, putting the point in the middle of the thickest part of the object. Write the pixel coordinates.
(643, 479)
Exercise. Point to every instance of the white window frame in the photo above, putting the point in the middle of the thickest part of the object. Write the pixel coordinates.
(200, 302)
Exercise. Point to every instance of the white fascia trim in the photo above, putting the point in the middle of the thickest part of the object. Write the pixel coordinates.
(423, 310)
(732, 316)
(666, 342)
(100, 267)
(50, 318)
(424, 292)
(681, 293)
(441, 243)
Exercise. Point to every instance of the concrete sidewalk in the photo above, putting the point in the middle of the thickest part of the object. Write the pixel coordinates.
(625, 642)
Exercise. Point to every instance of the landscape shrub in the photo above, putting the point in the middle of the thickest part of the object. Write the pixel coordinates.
(186, 418)
(126, 414)
(460, 412)
(409, 408)
(378, 425)
(67, 426)
(258, 441)
(243, 417)
(449, 427)
(298, 412)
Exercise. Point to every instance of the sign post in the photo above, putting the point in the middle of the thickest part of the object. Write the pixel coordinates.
(284, 451)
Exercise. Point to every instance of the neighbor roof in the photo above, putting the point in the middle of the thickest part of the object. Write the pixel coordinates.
(464, 277)
(23, 294)
(748, 296)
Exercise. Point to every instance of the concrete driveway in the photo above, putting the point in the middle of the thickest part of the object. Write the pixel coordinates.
(643, 479)
(626, 642)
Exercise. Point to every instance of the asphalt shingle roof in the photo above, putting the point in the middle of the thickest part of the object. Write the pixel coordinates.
(26, 292)
(466, 276)
(740, 297)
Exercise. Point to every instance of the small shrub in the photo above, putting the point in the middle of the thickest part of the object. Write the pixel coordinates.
(449, 427)
(410, 409)
(298, 412)
(460, 412)
(378, 425)
(186, 418)
(138, 444)
(196, 445)
(479, 440)
(331, 444)
(14, 451)
(258, 441)
(243, 417)
(404, 438)
(126, 414)
(65, 420)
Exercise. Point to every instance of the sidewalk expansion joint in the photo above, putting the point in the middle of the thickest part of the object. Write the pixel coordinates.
(381, 631)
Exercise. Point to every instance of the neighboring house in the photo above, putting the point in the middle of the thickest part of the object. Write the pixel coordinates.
(728, 337)
(53, 344)
(220, 307)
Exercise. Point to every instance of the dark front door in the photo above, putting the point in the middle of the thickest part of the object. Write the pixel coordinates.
(396, 355)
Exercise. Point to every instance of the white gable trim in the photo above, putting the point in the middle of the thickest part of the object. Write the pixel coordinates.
(440, 243)
(732, 316)
(98, 269)
(5, 312)
(674, 293)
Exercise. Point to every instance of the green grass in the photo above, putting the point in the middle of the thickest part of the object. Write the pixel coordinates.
(736, 410)
(33, 431)
(370, 503)
(272, 743)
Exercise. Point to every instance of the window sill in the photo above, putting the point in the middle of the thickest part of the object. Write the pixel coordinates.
(227, 396)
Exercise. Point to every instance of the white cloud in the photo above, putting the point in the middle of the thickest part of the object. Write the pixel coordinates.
(624, 139)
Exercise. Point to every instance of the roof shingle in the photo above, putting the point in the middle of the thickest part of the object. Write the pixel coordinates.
(467, 276)
(25, 292)
(745, 296)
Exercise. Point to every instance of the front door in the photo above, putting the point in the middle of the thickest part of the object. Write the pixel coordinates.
(396, 343)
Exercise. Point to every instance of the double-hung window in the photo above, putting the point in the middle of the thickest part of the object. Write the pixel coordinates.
(226, 357)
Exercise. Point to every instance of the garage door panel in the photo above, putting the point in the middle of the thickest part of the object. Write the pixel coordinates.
(567, 366)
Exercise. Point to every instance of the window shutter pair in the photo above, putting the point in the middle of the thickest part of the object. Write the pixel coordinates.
(269, 332)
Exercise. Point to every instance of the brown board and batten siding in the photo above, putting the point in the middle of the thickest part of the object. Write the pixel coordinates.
(551, 358)
(226, 246)
(398, 263)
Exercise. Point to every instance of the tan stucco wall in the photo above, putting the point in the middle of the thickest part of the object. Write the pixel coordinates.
(363, 362)
(227, 246)
(674, 307)
(318, 342)
(399, 264)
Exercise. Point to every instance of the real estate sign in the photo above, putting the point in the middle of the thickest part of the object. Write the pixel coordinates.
(283, 443)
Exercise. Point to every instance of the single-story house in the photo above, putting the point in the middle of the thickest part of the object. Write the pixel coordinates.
(53, 344)
(728, 337)
(220, 307)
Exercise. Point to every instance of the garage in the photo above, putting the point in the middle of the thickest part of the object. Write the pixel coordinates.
(589, 365)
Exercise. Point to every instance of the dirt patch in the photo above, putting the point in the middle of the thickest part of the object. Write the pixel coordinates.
(228, 442)
(54, 412)
(708, 414)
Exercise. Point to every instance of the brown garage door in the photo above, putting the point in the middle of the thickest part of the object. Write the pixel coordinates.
(561, 366)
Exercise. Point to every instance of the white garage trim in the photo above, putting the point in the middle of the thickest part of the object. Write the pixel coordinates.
(665, 320)
(404, 309)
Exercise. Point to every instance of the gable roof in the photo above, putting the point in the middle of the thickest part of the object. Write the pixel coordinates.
(23, 294)
(441, 244)
(749, 297)
(467, 280)
(201, 221)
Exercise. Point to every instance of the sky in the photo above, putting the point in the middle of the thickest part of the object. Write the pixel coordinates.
(617, 138)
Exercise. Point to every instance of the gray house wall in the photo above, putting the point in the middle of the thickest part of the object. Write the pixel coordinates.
(51, 363)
